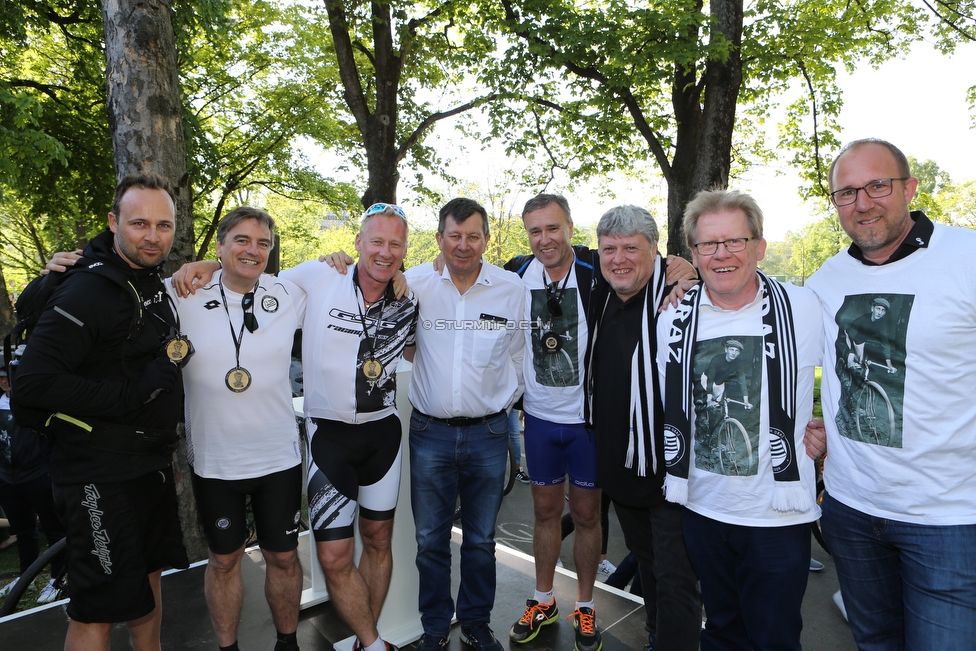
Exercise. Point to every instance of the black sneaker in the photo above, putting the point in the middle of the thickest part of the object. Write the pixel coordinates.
(480, 638)
(587, 636)
(429, 642)
(522, 476)
(536, 616)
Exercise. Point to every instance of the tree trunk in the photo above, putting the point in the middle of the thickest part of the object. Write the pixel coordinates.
(144, 105)
(703, 145)
(145, 118)
(6, 308)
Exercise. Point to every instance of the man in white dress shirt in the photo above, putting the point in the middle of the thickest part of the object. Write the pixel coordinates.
(468, 372)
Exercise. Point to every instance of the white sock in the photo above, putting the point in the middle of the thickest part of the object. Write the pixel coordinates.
(544, 597)
(585, 604)
(378, 645)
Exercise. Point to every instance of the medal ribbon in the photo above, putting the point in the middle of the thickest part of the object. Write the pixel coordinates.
(238, 339)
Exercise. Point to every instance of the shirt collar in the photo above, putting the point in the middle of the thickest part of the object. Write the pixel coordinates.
(483, 277)
(706, 300)
(918, 238)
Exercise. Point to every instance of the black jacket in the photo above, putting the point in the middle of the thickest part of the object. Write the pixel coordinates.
(78, 362)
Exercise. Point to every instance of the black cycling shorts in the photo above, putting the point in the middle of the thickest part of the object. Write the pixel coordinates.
(276, 501)
(352, 465)
(119, 533)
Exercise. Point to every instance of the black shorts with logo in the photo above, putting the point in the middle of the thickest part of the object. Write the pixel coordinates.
(119, 533)
(276, 501)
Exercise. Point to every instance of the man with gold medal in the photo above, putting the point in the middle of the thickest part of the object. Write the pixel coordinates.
(234, 337)
(354, 332)
(242, 439)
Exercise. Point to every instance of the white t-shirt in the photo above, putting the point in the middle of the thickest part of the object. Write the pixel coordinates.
(554, 381)
(334, 346)
(469, 347)
(714, 491)
(252, 433)
(922, 471)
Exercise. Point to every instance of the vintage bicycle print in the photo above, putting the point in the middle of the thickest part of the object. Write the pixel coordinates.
(728, 401)
(870, 364)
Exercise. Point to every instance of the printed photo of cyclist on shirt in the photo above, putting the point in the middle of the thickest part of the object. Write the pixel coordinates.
(728, 375)
(870, 363)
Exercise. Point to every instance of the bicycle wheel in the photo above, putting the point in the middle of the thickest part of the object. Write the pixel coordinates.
(875, 415)
(13, 597)
(735, 449)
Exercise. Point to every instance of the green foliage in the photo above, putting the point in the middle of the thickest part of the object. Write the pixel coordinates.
(596, 86)
(247, 108)
(812, 246)
(777, 260)
(959, 203)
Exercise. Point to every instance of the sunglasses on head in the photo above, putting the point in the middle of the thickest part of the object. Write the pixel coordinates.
(378, 208)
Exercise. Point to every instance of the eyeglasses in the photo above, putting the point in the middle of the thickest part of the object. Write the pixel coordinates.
(552, 300)
(250, 321)
(378, 208)
(875, 189)
(734, 245)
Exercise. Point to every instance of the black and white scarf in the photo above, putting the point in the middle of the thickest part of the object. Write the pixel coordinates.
(779, 345)
(640, 446)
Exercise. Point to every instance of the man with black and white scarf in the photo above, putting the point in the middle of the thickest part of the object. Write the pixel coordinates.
(733, 462)
(624, 408)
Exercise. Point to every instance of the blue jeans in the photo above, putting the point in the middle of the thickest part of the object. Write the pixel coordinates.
(515, 433)
(752, 582)
(905, 586)
(447, 462)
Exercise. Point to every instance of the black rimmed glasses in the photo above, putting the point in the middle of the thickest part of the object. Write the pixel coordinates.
(734, 245)
(875, 189)
(250, 321)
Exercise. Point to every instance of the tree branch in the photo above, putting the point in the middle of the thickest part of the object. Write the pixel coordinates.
(816, 128)
(348, 71)
(431, 119)
(962, 32)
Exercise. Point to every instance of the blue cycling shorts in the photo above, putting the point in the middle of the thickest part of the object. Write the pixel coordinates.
(553, 450)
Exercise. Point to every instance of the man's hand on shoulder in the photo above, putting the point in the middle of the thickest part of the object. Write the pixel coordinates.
(677, 293)
(439, 264)
(60, 261)
(192, 275)
(679, 269)
(339, 260)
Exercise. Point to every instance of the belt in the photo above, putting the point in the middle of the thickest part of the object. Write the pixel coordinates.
(461, 421)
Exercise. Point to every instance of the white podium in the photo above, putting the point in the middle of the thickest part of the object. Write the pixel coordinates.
(400, 621)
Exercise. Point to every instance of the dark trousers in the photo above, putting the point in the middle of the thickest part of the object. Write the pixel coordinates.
(671, 599)
(24, 504)
(752, 582)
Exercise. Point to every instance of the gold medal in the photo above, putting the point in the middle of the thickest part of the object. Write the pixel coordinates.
(372, 369)
(551, 342)
(238, 379)
(177, 349)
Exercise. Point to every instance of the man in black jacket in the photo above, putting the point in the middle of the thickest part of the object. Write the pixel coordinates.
(96, 373)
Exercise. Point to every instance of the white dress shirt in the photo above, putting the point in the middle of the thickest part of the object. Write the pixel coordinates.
(469, 346)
